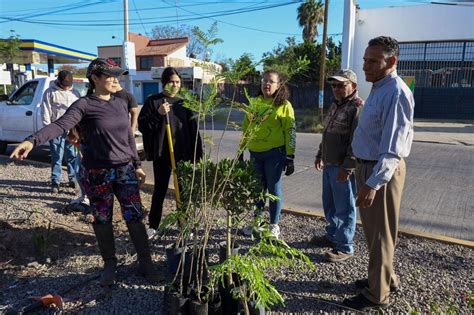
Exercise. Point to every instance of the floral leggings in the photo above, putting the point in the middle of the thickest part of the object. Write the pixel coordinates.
(102, 184)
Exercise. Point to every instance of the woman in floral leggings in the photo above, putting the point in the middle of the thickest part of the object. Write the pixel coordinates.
(111, 166)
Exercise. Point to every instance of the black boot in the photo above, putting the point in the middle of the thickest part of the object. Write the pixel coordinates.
(105, 239)
(139, 238)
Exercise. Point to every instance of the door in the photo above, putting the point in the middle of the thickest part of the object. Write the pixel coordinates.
(19, 112)
(149, 88)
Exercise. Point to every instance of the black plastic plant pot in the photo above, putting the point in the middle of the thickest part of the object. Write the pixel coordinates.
(173, 256)
(198, 308)
(256, 309)
(177, 304)
(223, 250)
(215, 305)
(230, 305)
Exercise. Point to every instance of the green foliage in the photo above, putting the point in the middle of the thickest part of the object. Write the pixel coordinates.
(207, 39)
(285, 54)
(243, 68)
(9, 48)
(43, 241)
(241, 191)
(308, 120)
(270, 254)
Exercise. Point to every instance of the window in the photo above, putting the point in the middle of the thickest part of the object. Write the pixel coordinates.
(146, 63)
(25, 95)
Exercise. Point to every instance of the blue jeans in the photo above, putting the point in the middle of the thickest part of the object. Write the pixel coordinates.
(339, 209)
(58, 147)
(269, 165)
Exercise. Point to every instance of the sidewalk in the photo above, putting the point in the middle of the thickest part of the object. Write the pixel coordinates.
(444, 132)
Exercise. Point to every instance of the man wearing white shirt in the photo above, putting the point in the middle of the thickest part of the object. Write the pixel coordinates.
(381, 141)
(56, 100)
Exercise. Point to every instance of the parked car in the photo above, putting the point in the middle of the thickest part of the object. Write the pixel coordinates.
(20, 113)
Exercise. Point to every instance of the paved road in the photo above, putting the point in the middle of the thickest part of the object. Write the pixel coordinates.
(438, 196)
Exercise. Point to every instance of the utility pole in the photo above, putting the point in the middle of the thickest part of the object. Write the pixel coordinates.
(322, 69)
(126, 53)
(125, 20)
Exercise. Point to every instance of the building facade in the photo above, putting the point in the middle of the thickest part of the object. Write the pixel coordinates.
(152, 55)
(436, 52)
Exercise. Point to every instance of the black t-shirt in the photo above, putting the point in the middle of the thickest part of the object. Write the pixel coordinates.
(128, 97)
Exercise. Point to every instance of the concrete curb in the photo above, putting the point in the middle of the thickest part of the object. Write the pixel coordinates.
(445, 142)
(410, 232)
(148, 187)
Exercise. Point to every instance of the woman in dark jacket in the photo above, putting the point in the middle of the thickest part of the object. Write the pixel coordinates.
(111, 166)
(185, 133)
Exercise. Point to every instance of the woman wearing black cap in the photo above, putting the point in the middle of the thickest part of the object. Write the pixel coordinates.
(110, 163)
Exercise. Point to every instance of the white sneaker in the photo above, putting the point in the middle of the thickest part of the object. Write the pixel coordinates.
(274, 230)
(151, 233)
(80, 200)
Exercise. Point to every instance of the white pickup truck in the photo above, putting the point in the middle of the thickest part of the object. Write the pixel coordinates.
(20, 114)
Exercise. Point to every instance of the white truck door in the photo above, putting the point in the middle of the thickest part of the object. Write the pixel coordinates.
(19, 114)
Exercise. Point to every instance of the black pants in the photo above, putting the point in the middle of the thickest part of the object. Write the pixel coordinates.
(162, 173)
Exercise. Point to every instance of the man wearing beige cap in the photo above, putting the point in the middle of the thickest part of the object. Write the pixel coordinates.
(337, 162)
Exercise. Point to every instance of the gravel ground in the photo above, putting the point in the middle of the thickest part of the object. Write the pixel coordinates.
(47, 249)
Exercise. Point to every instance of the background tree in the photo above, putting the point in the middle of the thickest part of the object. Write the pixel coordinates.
(291, 50)
(76, 71)
(246, 62)
(194, 49)
(333, 56)
(310, 15)
(9, 49)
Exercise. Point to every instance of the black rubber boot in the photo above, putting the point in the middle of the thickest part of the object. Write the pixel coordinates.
(139, 238)
(105, 239)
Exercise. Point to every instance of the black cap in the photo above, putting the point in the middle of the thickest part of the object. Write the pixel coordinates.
(105, 66)
(65, 78)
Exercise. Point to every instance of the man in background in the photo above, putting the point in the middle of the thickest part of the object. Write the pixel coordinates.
(56, 100)
(132, 105)
(336, 160)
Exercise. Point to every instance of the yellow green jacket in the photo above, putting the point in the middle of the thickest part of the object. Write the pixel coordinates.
(277, 129)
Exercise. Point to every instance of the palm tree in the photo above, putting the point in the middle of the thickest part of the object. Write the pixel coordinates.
(310, 14)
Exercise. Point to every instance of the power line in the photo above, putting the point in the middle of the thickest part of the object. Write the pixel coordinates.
(59, 10)
(139, 17)
(222, 13)
(241, 26)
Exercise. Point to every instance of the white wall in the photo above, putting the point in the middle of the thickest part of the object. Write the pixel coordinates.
(409, 23)
(178, 54)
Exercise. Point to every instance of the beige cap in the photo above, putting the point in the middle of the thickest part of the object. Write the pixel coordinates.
(343, 75)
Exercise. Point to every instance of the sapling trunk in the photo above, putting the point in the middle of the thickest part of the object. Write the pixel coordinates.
(229, 240)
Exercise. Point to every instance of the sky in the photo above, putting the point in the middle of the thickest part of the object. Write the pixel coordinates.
(257, 28)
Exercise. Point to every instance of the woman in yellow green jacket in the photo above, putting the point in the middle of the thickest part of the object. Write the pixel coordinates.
(272, 147)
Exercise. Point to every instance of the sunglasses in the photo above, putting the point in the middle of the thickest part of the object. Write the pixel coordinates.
(338, 85)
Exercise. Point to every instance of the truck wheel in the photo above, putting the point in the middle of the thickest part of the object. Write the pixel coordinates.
(3, 147)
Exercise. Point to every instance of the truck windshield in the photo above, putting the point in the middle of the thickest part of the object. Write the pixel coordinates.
(25, 95)
(81, 87)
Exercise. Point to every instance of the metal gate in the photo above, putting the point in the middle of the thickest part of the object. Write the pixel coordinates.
(444, 77)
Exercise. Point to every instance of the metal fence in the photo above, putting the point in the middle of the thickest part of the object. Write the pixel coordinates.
(443, 64)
